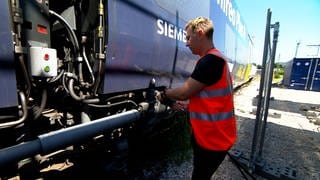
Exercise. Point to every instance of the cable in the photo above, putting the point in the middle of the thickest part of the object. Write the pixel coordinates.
(113, 104)
(88, 65)
(71, 32)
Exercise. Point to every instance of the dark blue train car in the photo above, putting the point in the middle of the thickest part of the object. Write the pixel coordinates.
(154, 30)
(87, 70)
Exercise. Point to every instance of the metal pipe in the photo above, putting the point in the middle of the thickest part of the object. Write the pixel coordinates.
(24, 111)
(78, 98)
(101, 48)
(260, 95)
(44, 98)
(71, 91)
(56, 140)
(276, 27)
(88, 64)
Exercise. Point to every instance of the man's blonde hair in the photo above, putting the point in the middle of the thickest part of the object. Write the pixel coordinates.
(201, 23)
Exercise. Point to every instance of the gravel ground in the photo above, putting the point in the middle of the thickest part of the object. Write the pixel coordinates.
(291, 139)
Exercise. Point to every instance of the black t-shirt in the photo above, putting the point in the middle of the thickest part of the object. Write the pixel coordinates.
(208, 69)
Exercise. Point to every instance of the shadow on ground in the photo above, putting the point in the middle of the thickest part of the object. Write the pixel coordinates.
(283, 147)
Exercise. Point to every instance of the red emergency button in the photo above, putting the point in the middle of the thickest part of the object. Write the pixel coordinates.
(46, 57)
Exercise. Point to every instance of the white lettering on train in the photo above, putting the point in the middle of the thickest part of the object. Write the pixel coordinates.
(233, 15)
(170, 30)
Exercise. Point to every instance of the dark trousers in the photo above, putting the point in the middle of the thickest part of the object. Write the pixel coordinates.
(205, 162)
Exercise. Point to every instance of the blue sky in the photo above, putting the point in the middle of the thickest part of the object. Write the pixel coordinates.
(299, 22)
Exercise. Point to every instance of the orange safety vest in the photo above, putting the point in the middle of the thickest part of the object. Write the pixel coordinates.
(212, 113)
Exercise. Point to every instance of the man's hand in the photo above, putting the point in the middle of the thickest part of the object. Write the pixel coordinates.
(180, 106)
(161, 96)
(158, 95)
(175, 105)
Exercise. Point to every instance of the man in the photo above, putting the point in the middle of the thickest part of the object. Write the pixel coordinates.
(209, 90)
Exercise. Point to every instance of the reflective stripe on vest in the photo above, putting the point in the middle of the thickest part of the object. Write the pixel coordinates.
(212, 117)
(218, 92)
(214, 93)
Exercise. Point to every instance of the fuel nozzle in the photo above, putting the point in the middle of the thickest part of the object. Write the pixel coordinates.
(150, 96)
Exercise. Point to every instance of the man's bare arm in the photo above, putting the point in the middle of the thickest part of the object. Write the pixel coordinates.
(189, 88)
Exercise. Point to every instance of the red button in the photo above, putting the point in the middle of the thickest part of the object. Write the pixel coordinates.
(46, 57)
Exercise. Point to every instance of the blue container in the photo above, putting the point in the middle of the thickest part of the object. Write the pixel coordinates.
(303, 74)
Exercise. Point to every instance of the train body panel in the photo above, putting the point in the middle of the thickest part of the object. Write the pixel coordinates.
(8, 90)
(147, 48)
(147, 39)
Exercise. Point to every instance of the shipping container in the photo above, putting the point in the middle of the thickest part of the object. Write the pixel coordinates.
(303, 74)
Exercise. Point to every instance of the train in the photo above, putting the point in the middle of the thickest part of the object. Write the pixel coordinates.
(78, 73)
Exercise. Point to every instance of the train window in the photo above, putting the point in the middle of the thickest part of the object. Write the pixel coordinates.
(187, 9)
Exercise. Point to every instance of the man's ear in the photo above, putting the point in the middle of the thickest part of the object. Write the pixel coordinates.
(201, 33)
